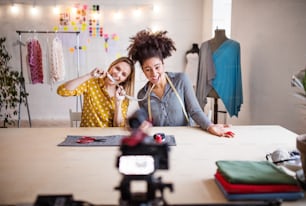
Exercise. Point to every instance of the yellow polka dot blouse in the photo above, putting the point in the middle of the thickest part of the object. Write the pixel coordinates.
(98, 107)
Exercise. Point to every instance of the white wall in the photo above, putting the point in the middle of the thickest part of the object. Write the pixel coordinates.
(182, 19)
(273, 48)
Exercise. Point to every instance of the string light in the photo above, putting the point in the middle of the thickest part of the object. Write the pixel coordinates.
(155, 27)
(118, 15)
(156, 8)
(96, 15)
(14, 8)
(56, 10)
(74, 10)
(137, 12)
(34, 9)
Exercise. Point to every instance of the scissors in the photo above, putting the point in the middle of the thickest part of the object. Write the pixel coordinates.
(86, 140)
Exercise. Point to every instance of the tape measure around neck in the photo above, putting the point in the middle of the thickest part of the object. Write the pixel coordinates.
(177, 95)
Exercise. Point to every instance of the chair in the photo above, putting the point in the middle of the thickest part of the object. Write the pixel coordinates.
(75, 117)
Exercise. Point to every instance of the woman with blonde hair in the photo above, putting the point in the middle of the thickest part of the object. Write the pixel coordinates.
(104, 93)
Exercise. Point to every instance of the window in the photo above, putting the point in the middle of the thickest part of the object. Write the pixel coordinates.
(221, 16)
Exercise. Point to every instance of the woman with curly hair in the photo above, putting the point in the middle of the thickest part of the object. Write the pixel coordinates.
(104, 93)
(171, 99)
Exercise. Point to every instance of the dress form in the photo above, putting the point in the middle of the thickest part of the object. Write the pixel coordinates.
(192, 62)
(218, 39)
(194, 49)
(215, 43)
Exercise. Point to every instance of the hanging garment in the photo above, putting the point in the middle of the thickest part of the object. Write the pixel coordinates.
(206, 73)
(221, 70)
(227, 82)
(57, 66)
(34, 61)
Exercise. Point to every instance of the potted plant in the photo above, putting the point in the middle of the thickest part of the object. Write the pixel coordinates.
(10, 82)
(299, 80)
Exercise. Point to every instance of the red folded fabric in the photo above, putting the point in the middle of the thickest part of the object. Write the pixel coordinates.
(251, 188)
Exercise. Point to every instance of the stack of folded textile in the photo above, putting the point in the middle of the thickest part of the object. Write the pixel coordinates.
(255, 180)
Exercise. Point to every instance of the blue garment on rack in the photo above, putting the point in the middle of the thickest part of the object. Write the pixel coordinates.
(227, 82)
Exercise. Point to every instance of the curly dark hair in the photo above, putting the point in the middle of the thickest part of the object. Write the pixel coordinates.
(146, 44)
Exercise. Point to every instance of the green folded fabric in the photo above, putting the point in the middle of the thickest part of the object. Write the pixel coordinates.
(253, 172)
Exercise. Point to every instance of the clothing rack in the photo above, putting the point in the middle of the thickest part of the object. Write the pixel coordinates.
(22, 85)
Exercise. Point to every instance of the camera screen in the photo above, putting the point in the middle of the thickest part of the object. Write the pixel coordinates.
(136, 164)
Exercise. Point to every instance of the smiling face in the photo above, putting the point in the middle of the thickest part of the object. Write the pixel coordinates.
(153, 68)
(120, 72)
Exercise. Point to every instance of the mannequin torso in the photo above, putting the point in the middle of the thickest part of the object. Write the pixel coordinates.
(215, 43)
(218, 39)
(194, 49)
(192, 61)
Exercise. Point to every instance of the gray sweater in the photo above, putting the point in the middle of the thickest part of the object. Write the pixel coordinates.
(167, 111)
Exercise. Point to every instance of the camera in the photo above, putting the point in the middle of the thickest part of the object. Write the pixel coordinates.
(138, 161)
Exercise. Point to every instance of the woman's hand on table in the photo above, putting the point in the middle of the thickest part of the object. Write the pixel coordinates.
(220, 130)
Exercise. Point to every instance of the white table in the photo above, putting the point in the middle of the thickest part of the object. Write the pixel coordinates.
(31, 163)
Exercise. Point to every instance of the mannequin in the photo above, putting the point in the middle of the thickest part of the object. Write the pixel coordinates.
(218, 39)
(215, 43)
(219, 74)
(192, 58)
(194, 49)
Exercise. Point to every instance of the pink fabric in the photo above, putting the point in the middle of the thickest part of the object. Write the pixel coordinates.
(34, 61)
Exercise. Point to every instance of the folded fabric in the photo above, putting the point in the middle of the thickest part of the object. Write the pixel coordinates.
(253, 172)
(253, 188)
(285, 196)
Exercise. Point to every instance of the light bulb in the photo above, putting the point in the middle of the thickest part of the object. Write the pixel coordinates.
(74, 10)
(137, 12)
(34, 10)
(14, 9)
(96, 15)
(156, 8)
(56, 10)
(118, 15)
(155, 27)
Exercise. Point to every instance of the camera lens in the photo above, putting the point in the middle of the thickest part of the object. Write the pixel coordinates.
(138, 118)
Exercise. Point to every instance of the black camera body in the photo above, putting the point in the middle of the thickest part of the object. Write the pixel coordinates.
(143, 155)
(137, 162)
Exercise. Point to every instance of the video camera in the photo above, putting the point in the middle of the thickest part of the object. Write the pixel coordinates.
(139, 159)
